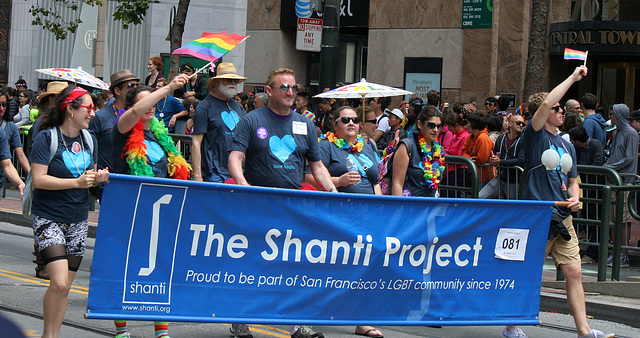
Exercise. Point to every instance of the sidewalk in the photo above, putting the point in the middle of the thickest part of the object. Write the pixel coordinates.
(614, 301)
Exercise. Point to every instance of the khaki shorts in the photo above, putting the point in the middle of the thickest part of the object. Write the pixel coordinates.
(565, 252)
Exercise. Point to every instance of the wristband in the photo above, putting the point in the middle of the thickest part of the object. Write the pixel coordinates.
(332, 189)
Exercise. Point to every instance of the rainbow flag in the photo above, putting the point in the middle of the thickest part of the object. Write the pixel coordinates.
(211, 46)
(572, 54)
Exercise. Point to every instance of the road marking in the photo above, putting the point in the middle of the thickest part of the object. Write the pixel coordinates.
(34, 280)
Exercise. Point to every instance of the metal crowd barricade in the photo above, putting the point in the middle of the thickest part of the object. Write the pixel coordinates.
(461, 182)
(598, 185)
(183, 143)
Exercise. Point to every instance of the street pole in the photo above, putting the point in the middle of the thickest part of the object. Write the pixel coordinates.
(330, 38)
(99, 42)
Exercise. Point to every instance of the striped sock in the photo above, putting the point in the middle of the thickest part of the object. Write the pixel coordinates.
(162, 329)
(121, 326)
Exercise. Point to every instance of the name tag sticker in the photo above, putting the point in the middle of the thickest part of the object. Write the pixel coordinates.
(511, 244)
(299, 128)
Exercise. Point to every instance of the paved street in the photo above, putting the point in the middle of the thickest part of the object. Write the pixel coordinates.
(19, 290)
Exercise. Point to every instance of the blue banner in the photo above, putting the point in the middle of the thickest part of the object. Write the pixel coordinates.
(189, 251)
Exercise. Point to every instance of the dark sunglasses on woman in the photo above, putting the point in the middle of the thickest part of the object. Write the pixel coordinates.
(346, 120)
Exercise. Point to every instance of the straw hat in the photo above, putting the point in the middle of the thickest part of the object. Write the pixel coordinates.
(226, 70)
(53, 87)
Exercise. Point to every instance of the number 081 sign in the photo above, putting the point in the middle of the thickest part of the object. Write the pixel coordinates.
(511, 244)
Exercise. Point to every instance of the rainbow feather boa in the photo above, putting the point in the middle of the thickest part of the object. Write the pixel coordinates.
(136, 152)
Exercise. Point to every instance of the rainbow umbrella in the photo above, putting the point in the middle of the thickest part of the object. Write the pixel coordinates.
(76, 75)
(211, 46)
(363, 90)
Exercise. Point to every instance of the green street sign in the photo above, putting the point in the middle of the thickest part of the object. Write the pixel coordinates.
(477, 13)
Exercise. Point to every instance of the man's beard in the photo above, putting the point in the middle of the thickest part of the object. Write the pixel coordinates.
(227, 90)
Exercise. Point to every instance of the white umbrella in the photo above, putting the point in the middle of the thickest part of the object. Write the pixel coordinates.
(363, 90)
(76, 75)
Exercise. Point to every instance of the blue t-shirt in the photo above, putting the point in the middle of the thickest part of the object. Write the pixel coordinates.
(5, 151)
(218, 122)
(72, 158)
(550, 162)
(415, 184)
(275, 147)
(335, 159)
(166, 108)
(101, 125)
(156, 157)
(13, 137)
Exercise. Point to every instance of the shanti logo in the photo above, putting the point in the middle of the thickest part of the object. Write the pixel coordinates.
(303, 8)
(153, 241)
(150, 259)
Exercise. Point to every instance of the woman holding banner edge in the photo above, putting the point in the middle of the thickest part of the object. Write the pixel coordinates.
(344, 150)
(142, 147)
(60, 204)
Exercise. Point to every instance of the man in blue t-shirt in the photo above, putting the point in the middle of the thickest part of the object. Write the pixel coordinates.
(551, 165)
(5, 163)
(214, 122)
(274, 143)
(101, 124)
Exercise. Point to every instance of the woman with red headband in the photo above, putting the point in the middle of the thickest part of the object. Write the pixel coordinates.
(142, 147)
(60, 204)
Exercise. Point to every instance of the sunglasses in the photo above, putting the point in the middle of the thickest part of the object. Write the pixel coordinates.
(488, 104)
(3, 104)
(90, 107)
(132, 85)
(557, 109)
(520, 123)
(285, 88)
(371, 121)
(431, 125)
(346, 120)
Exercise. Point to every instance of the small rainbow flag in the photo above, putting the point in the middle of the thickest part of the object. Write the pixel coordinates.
(211, 46)
(572, 54)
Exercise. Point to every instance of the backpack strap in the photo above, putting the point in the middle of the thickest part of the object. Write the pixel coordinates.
(408, 142)
(88, 138)
(364, 166)
(54, 143)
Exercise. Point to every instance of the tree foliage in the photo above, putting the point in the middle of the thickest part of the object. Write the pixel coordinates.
(127, 11)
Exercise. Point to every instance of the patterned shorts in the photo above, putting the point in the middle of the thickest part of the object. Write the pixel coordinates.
(72, 235)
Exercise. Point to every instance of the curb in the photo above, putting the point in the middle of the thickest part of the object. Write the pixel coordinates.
(627, 314)
(630, 289)
(18, 219)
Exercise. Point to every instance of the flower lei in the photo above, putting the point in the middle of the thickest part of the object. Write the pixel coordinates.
(432, 162)
(389, 149)
(342, 144)
(136, 152)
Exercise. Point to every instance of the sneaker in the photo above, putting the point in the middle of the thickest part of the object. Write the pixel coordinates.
(515, 333)
(599, 334)
(588, 260)
(305, 331)
(624, 260)
(123, 335)
(240, 331)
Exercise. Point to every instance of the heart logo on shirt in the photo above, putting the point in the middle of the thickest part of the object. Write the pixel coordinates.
(282, 148)
(154, 151)
(230, 119)
(76, 163)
